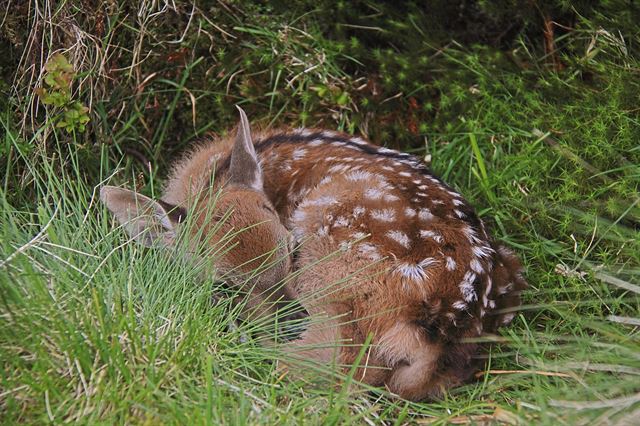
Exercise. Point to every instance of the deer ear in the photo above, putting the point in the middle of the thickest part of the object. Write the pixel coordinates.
(144, 219)
(245, 169)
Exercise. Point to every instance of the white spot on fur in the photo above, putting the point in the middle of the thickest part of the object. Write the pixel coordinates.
(411, 271)
(325, 200)
(451, 264)
(358, 211)
(459, 305)
(385, 215)
(429, 261)
(405, 174)
(437, 201)
(360, 175)
(459, 213)
(471, 235)
(456, 202)
(329, 134)
(299, 154)
(432, 234)
(466, 287)
(476, 266)
(422, 194)
(373, 193)
(399, 237)
(388, 168)
(423, 187)
(316, 142)
(409, 212)
(390, 197)
(416, 272)
(369, 250)
(325, 180)
(489, 286)
(425, 214)
(339, 168)
(482, 251)
(359, 141)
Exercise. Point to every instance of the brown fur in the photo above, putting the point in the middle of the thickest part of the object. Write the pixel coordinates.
(407, 260)
(231, 215)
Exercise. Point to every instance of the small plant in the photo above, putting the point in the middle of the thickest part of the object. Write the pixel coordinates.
(70, 114)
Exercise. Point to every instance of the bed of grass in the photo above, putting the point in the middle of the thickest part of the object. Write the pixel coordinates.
(95, 329)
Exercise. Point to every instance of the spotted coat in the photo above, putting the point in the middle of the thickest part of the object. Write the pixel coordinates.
(385, 246)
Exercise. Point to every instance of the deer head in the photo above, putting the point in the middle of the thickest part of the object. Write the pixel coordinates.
(239, 216)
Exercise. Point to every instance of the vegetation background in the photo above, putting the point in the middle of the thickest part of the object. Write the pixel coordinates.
(530, 108)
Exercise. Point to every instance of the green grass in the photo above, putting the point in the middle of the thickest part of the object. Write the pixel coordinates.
(95, 329)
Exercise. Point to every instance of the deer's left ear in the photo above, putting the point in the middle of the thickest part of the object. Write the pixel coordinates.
(144, 219)
(245, 168)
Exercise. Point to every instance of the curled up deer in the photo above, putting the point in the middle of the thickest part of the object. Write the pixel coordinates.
(392, 260)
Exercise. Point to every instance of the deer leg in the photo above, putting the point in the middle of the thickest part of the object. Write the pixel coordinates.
(334, 340)
(415, 362)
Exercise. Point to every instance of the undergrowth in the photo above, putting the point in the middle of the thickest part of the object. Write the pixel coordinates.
(543, 142)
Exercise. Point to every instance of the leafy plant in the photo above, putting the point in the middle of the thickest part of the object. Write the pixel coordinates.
(69, 114)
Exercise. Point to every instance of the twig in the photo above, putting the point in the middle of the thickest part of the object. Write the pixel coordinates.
(617, 282)
(624, 320)
(537, 372)
(593, 405)
(184, 33)
(570, 155)
(33, 241)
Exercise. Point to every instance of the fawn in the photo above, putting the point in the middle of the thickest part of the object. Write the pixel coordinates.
(264, 245)
(423, 276)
